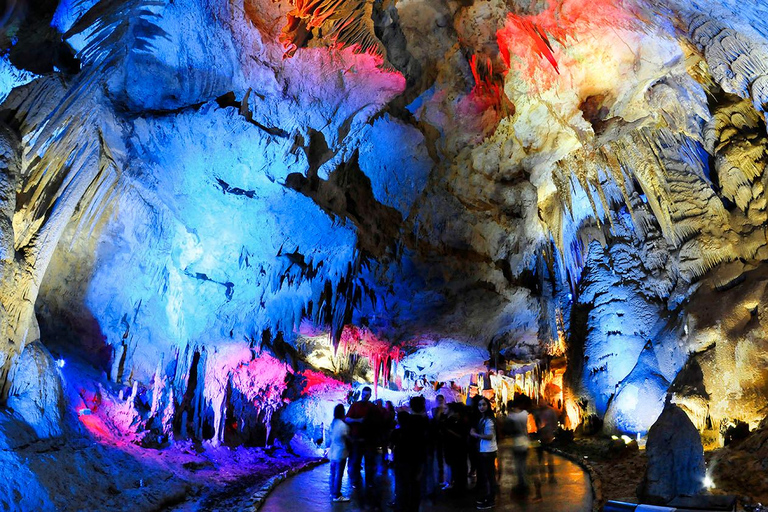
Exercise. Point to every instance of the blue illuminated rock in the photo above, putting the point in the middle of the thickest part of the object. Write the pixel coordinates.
(36, 394)
(191, 197)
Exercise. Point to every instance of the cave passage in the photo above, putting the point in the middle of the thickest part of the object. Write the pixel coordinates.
(221, 220)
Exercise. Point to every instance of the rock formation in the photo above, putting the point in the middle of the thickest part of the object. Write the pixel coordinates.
(193, 194)
(675, 458)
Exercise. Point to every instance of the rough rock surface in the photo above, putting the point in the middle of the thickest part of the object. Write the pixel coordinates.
(193, 192)
(36, 393)
(75, 473)
(675, 458)
(740, 468)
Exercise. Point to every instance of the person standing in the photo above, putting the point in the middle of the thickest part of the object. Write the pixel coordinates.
(546, 427)
(363, 420)
(455, 433)
(485, 433)
(518, 425)
(474, 418)
(439, 414)
(410, 440)
(388, 425)
(338, 437)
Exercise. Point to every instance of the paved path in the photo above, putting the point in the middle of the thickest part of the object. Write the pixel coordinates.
(308, 492)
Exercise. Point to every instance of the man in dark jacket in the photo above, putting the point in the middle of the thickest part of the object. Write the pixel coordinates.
(410, 440)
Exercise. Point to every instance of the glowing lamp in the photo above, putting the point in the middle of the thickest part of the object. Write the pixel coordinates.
(708, 482)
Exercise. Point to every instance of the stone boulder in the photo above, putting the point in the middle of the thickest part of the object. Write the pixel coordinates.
(36, 391)
(675, 458)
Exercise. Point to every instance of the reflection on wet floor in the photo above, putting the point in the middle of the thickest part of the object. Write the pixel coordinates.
(308, 492)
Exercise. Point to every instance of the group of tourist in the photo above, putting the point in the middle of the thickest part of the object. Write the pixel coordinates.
(461, 441)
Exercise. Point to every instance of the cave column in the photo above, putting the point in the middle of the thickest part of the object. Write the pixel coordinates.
(14, 314)
(23, 267)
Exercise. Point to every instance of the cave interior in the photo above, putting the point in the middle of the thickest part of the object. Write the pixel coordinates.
(220, 219)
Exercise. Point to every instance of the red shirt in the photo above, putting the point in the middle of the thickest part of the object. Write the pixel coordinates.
(369, 412)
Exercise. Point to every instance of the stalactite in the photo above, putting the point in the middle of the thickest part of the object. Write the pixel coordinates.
(737, 62)
(166, 420)
(670, 171)
(117, 363)
(337, 22)
(696, 407)
(262, 382)
(736, 136)
(488, 91)
(379, 353)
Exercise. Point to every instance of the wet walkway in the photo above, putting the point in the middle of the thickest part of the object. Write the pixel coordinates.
(308, 492)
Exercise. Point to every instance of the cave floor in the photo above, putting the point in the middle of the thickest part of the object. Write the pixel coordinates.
(308, 491)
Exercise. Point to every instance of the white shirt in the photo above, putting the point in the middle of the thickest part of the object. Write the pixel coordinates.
(519, 429)
(487, 427)
(338, 433)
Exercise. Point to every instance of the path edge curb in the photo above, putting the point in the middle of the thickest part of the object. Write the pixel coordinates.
(594, 479)
(260, 496)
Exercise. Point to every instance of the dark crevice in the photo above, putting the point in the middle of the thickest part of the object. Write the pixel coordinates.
(529, 280)
(186, 409)
(386, 27)
(731, 284)
(595, 110)
(228, 286)
(149, 113)
(347, 193)
(30, 40)
(230, 101)
(317, 152)
(227, 189)
(506, 269)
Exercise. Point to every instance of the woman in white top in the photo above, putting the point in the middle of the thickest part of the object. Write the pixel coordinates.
(338, 436)
(486, 468)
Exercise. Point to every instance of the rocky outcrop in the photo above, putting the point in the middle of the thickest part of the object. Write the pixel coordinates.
(211, 179)
(675, 458)
(741, 466)
(9, 168)
(36, 393)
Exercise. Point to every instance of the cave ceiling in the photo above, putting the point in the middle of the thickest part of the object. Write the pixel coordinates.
(482, 174)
